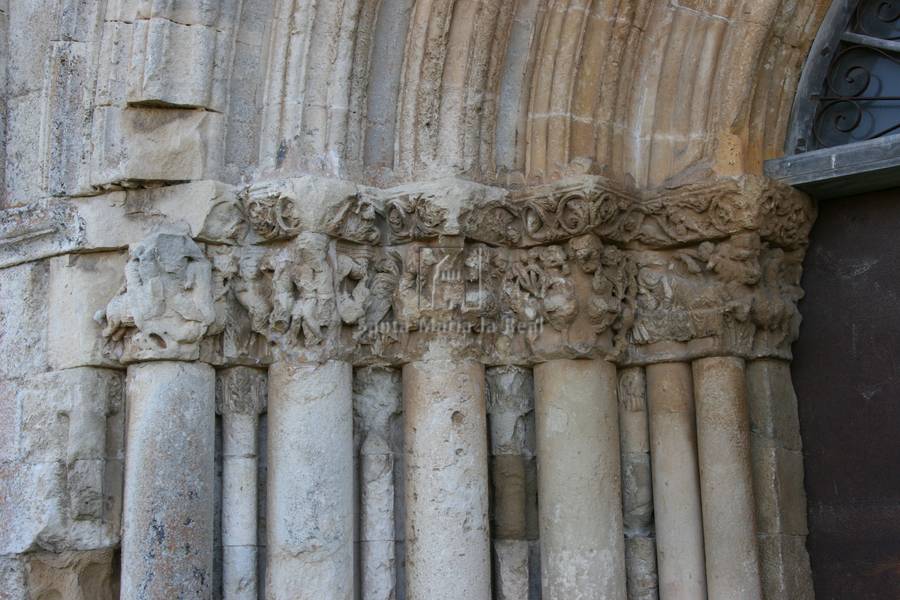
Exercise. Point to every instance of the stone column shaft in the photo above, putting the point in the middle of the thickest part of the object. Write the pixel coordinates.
(637, 488)
(726, 480)
(376, 401)
(510, 417)
(447, 533)
(676, 482)
(167, 529)
(579, 480)
(310, 482)
(242, 399)
(778, 481)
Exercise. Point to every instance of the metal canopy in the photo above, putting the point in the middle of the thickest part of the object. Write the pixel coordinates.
(846, 118)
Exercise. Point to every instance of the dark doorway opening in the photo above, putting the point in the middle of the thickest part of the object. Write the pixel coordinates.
(847, 375)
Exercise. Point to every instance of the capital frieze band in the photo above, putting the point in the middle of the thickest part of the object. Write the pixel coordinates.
(314, 269)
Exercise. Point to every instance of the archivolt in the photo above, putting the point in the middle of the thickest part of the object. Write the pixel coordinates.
(502, 90)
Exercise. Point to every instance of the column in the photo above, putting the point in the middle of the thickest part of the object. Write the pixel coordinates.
(445, 430)
(726, 481)
(242, 399)
(310, 482)
(676, 482)
(637, 488)
(778, 481)
(510, 405)
(579, 481)
(376, 401)
(167, 525)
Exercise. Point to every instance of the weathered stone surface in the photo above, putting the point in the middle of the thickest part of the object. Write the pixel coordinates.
(785, 568)
(624, 226)
(640, 561)
(447, 529)
(240, 398)
(12, 578)
(167, 525)
(510, 406)
(178, 64)
(39, 230)
(637, 489)
(778, 489)
(676, 482)
(377, 401)
(118, 219)
(89, 575)
(80, 285)
(154, 144)
(773, 403)
(310, 484)
(165, 305)
(726, 479)
(62, 456)
(579, 478)
(511, 569)
(24, 312)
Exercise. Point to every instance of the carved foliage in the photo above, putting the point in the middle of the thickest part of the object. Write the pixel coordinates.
(241, 390)
(414, 217)
(354, 220)
(272, 211)
(662, 219)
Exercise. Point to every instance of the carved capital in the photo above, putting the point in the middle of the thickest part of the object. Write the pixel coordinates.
(241, 390)
(579, 268)
(165, 305)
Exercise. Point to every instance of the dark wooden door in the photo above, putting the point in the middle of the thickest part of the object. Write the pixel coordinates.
(847, 375)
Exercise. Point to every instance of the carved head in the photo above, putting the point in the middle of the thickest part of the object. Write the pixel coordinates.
(553, 257)
(586, 251)
(735, 260)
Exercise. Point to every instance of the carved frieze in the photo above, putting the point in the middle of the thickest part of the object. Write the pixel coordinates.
(578, 268)
(661, 218)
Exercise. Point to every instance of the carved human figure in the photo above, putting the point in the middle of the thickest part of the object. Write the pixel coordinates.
(736, 263)
(382, 287)
(253, 288)
(303, 292)
(166, 303)
(775, 299)
(559, 305)
(352, 280)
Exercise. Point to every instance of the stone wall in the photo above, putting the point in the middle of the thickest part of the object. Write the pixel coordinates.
(328, 226)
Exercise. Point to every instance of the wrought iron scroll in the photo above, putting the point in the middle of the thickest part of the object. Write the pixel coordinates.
(860, 97)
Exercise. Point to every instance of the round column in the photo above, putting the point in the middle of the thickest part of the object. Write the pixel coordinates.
(726, 480)
(376, 401)
(579, 481)
(243, 397)
(676, 482)
(447, 537)
(637, 488)
(310, 482)
(510, 404)
(167, 521)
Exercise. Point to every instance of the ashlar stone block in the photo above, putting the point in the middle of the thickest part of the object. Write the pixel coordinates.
(80, 285)
(178, 64)
(23, 319)
(155, 144)
(62, 460)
